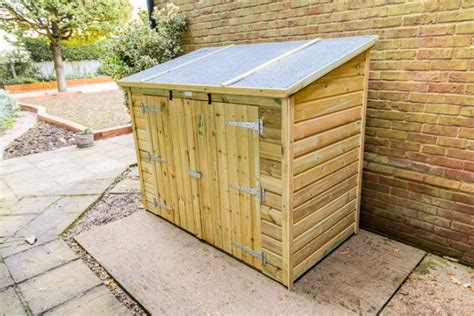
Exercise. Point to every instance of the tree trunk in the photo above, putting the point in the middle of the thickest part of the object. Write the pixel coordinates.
(12, 68)
(58, 66)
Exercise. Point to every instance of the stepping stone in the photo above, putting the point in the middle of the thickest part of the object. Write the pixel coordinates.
(436, 287)
(32, 262)
(5, 278)
(127, 186)
(58, 286)
(33, 205)
(10, 303)
(98, 301)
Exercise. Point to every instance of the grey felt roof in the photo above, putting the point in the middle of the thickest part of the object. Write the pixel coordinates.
(284, 66)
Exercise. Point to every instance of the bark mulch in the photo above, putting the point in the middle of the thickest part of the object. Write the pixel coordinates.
(41, 137)
(110, 207)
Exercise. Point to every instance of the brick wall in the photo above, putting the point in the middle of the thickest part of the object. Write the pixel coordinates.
(419, 160)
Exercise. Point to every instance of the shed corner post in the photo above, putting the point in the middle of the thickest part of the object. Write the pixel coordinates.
(135, 141)
(362, 139)
(287, 176)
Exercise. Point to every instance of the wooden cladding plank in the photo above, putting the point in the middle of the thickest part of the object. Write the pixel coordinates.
(324, 198)
(270, 150)
(271, 168)
(271, 215)
(325, 249)
(324, 184)
(322, 155)
(322, 89)
(314, 174)
(331, 104)
(327, 234)
(352, 68)
(271, 244)
(216, 97)
(308, 223)
(320, 124)
(271, 230)
(311, 143)
(271, 184)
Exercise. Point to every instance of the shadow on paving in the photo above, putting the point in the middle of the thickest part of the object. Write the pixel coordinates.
(168, 270)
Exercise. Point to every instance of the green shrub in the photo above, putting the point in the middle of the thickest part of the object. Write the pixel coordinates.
(15, 65)
(39, 50)
(8, 110)
(138, 47)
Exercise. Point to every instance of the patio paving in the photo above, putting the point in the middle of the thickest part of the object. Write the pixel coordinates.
(42, 195)
(169, 271)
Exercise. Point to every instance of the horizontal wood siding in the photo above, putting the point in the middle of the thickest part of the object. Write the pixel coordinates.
(328, 124)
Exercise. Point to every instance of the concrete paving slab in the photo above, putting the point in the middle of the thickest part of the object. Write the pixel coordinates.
(9, 224)
(32, 205)
(436, 287)
(98, 301)
(127, 186)
(30, 263)
(58, 286)
(56, 218)
(10, 303)
(5, 278)
(362, 274)
(15, 167)
(90, 186)
(170, 271)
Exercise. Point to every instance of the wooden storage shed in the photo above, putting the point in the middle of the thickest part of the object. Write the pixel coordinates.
(257, 149)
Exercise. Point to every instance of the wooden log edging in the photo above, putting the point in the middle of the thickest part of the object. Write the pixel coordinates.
(38, 86)
(43, 116)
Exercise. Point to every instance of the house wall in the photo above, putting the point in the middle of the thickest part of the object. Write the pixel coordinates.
(419, 150)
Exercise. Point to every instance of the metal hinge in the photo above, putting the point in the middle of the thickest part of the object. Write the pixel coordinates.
(146, 109)
(259, 193)
(156, 158)
(157, 203)
(257, 126)
(259, 255)
(194, 173)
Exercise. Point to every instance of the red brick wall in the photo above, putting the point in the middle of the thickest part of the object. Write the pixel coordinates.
(419, 161)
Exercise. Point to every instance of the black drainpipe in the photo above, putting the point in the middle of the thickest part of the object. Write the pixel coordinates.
(150, 5)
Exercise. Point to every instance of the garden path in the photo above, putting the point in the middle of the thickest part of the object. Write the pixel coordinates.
(41, 196)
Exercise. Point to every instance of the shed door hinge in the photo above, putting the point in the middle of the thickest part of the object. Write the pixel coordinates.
(157, 203)
(257, 126)
(156, 158)
(259, 255)
(259, 193)
(147, 109)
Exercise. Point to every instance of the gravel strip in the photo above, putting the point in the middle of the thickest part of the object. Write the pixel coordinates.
(107, 209)
(41, 137)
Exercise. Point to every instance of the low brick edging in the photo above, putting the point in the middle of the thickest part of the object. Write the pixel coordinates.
(73, 126)
(37, 86)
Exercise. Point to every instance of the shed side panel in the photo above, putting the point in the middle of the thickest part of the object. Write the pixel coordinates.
(327, 133)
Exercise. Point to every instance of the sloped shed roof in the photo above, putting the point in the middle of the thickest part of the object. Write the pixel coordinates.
(272, 69)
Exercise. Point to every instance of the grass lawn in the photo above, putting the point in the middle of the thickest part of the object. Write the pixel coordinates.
(97, 110)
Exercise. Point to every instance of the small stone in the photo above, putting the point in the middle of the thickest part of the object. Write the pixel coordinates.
(31, 239)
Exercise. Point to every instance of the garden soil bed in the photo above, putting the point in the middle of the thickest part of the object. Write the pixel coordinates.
(96, 110)
(41, 137)
(110, 207)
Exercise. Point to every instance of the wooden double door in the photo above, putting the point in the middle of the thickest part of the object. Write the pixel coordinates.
(205, 163)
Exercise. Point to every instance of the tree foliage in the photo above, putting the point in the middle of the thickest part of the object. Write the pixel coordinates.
(63, 20)
(138, 47)
(60, 20)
